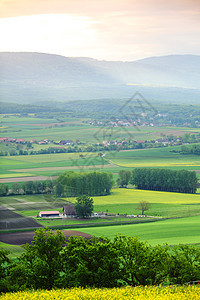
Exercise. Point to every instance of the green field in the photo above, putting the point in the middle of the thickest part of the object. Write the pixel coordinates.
(50, 164)
(122, 201)
(158, 157)
(173, 232)
(55, 129)
(55, 164)
(184, 208)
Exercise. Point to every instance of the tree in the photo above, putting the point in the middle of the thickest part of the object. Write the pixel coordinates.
(59, 189)
(91, 183)
(181, 181)
(92, 262)
(141, 264)
(84, 206)
(4, 189)
(42, 258)
(4, 263)
(124, 177)
(184, 264)
(15, 188)
(28, 187)
(143, 205)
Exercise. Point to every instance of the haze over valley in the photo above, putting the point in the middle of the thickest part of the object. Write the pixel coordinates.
(35, 77)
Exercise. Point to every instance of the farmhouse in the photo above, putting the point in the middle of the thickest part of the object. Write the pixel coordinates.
(69, 211)
(49, 214)
(66, 142)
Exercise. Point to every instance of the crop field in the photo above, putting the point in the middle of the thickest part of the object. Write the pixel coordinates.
(136, 293)
(185, 208)
(55, 164)
(123, 201)
(14, 250)
(158, 157)
(32, 203)
(172, 231)
(50, 164)
(74, 128)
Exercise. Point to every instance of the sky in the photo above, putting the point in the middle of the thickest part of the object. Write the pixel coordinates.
(124, 30)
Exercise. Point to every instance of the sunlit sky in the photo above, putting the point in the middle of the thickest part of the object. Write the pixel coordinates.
(103, 29)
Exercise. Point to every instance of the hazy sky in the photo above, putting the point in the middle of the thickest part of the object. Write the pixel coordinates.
(103, 29)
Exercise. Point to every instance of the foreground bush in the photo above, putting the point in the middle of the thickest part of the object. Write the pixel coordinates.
(135, 293)
(96, 263)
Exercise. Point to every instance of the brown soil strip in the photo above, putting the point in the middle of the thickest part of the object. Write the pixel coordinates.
(37, 178)
(20, 238)
(28, 178)
(44, 124)
(64, 168)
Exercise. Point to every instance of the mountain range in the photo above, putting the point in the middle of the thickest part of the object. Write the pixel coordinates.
(27, 77)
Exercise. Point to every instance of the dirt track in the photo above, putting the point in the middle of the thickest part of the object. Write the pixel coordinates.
(28, 178)
(20, 238)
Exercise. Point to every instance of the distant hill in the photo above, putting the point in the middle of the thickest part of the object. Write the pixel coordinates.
(34, 77)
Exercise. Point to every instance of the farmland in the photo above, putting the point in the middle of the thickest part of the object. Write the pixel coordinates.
(58, 127)
(77, 128)
(183, 208)
(55, 164)
(136, 293)
(159, 157)
(173, 232)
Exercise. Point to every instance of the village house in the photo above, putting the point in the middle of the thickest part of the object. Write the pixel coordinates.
(69, 211)
(20, 141)
(66, 142)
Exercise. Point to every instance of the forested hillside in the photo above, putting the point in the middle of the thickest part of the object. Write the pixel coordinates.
(32, 77)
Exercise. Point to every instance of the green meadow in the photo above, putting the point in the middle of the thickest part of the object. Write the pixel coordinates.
(173, 231)
(50, 164)
(55, 164)
(14, 250)
(183, 209)
(157, 157)
(54, 128)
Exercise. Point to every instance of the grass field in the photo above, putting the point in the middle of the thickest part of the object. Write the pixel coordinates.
(50, 164)
(173, 231)
(121, 201)
(55, 164)
(14, 250)
(124, 201)
(158, 157)
(74, 128)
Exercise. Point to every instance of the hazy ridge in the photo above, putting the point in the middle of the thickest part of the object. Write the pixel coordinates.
(35, 77)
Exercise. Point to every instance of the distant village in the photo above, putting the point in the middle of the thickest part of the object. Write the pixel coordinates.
(143, 120)
(65, 146)
(105, 142)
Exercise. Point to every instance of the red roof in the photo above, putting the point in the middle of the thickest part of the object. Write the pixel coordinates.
(140, 141)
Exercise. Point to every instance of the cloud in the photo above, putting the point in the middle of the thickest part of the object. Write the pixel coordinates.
(12, 8)
(111, 29)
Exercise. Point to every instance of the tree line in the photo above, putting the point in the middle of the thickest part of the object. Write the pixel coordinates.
(71, 184)
(181, 181)
(28, 188)
(194, 149)
(97, 262)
